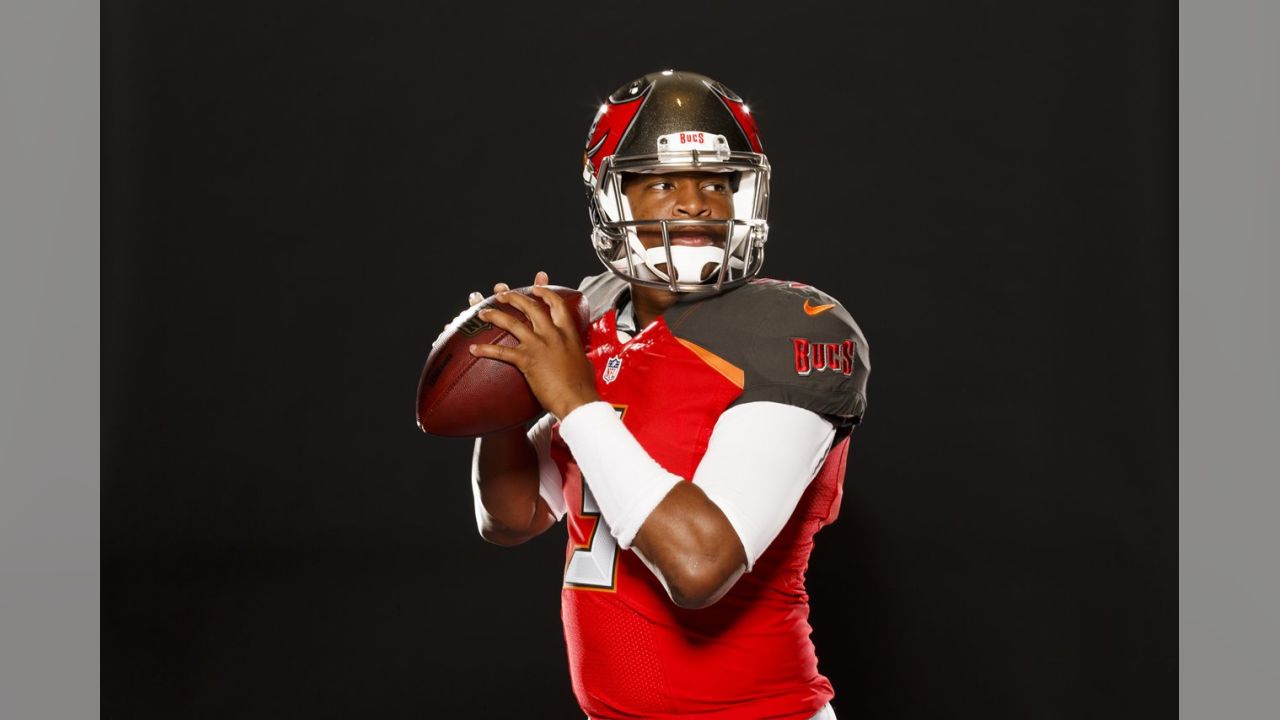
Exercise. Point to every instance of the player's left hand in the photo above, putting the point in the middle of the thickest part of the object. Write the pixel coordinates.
(550, 351)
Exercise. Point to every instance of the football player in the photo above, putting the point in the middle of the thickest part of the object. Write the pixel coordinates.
(699, 443)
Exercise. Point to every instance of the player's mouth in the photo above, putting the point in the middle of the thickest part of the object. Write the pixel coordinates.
(691, 240)
(696, 237)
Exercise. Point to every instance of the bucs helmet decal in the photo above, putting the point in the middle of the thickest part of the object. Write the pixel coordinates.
(613, 122)
(746, 123)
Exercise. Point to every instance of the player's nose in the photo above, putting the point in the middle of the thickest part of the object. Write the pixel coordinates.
(690, 200)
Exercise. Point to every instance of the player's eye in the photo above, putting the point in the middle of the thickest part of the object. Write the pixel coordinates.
(715, 187)
(661, 186)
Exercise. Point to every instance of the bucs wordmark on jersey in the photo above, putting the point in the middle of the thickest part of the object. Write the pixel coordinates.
(632, 652)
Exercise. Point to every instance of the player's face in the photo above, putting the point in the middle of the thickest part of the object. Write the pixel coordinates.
(681, 196)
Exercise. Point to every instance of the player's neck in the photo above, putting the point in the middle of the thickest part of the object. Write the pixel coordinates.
(650, 302)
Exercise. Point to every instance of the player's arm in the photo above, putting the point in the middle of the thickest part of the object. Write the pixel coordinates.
(804, 359)
(505, 477)
(700, 537)
(692, 546)
(760, 459)
(505, 483)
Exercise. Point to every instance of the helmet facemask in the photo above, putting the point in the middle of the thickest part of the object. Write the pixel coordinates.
(735, 256)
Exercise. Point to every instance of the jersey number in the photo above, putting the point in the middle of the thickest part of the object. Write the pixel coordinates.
(596, 565)
(593, 566)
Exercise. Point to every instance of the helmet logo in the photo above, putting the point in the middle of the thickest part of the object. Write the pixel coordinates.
(611, 124)
(741, 114)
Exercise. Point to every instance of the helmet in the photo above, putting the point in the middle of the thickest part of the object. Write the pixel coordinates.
(676, 122)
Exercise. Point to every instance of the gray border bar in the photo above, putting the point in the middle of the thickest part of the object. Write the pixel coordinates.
(49, 340)
(1229, 335)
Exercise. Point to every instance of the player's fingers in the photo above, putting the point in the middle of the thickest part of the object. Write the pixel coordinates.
(500, 287)
(531, 307)
(511, 356)
(507, 322)
(541, 278)
(474, 298)
(559, 310)
(551, 297)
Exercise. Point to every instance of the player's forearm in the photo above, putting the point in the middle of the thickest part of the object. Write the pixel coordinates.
(505, 486)
(690, 546)
(699, 537)
(688, 542)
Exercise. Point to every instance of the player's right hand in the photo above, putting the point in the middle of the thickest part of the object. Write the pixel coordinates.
(549, 350)
(475, 298)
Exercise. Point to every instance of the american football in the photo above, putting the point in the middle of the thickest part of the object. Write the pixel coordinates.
(460, 395)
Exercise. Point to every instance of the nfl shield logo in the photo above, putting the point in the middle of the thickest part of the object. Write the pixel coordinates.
(611, 368)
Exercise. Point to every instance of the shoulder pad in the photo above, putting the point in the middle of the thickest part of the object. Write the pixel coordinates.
(602, 292)
(794, 343)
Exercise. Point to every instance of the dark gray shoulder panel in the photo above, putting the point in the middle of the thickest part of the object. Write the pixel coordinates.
(795, 344)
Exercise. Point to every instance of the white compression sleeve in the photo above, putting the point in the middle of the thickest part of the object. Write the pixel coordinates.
(626, 483)
(760, 459)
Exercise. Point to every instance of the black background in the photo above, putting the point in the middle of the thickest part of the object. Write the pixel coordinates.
(297, 196)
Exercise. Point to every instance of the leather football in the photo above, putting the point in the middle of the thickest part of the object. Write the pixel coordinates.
(460, 395)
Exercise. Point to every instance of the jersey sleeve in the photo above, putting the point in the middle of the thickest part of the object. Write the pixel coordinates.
(794, 344)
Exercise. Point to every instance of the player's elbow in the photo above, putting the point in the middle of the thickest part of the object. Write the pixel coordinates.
(494, 531)
(501, 537)
(499, 533)
(698, 585)
(692, 601)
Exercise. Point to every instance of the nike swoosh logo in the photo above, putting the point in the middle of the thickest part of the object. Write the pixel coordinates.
(816, 309)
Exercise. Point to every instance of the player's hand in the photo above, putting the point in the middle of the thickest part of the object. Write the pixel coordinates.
(475, 298)
(550, 351)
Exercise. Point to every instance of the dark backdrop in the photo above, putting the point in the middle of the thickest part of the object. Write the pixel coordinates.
(297, 196)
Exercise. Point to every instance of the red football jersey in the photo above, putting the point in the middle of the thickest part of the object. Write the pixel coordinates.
(632, 652)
